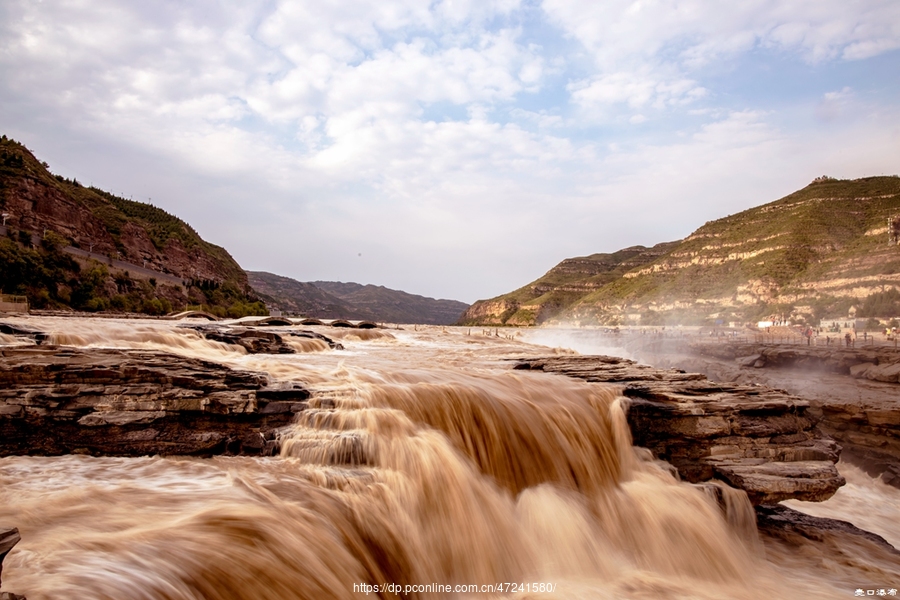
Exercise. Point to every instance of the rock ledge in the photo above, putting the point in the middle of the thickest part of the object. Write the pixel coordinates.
(760, 440)
(131, 403)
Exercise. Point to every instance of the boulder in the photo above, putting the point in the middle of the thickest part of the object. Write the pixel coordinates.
(751, 361)
(836, 543)
(771, 482)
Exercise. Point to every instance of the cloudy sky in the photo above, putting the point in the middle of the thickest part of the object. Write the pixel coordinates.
(450, 148)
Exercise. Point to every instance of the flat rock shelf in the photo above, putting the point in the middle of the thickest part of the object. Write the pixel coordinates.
(753, 438)
(59, 400)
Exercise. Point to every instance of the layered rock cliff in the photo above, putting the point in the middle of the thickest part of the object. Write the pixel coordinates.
(132, 403)
(759, 440)
(100, 246)
(561, 287)
(812, 254)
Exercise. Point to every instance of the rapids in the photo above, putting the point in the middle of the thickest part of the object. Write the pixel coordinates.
(422, 460)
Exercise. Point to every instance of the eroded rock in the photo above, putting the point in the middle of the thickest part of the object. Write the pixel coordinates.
(877, 363)
(258, 341)
(852, 392)
(133, 402)
(793, 527)
(761, 440)
(9, 537)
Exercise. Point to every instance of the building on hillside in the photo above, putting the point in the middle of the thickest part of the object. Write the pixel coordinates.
(13, 304)
(840, 324)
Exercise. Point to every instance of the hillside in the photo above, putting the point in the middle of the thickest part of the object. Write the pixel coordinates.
(810, 255)
(561, 287)
(298, 297)
(67, 245)
(332, 299)
(395, 306)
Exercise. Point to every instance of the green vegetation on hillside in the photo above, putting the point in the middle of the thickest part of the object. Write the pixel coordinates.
(810, 255)
(882, 304)
(562, 286)
(51, 277)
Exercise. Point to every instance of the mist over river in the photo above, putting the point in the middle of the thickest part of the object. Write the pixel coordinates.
(423, 461)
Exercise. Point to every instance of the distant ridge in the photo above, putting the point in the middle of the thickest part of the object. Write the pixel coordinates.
(332, 299)
(813, 254)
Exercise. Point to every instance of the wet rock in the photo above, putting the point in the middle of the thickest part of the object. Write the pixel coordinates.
(9, 537)
(793, 526)
(878, 363)
(255, 340)
(852, 392)
(761, 440)
(130, 403)
(24, 332)
(318, 336)
(771, 482)
(860, 410)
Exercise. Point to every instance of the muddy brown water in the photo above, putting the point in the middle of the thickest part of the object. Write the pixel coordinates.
(423, 461)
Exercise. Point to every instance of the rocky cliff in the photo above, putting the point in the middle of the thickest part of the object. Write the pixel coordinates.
(53, 220)
(561, 287)
(133, 403)
(810, 255)
(759, 440)
(853, 393)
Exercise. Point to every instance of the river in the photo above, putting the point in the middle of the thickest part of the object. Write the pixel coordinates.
(424, 465)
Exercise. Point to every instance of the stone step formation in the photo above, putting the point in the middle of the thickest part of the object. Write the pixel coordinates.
(756, 439)
(110, 402)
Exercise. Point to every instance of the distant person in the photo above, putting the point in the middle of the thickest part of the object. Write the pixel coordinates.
(848, 338)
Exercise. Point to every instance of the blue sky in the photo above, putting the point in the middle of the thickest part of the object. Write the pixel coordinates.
(455, 149)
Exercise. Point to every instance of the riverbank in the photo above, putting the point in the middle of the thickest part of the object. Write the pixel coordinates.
(853, 392)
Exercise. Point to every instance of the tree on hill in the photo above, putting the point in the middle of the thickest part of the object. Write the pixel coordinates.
(885, 305)
(48, 274)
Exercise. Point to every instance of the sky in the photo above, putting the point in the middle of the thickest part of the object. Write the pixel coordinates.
(450, 148)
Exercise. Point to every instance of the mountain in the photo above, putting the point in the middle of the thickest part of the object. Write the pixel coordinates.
(298, 297)
(395, 306)
(332, 299)
(561, 287)
(812, 254)
(66, 245)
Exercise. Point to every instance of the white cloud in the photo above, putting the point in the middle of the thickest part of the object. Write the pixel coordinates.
(637, 90)
(649, 52)
(698, 31)
(833, 104)
(457, 147)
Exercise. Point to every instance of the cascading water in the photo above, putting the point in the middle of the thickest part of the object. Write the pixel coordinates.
(421, 461)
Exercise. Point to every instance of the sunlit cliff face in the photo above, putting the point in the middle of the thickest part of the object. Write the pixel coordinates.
(423, 459)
